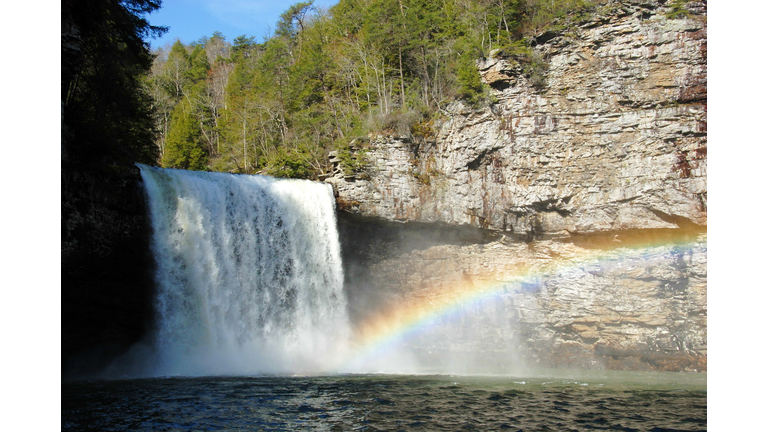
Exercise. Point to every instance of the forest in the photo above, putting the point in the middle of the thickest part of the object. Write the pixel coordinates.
(321, 80)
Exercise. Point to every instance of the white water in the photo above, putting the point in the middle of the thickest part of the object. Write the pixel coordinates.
(249, 274)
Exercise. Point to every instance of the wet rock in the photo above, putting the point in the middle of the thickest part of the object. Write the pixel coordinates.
(563, 305)
(609, 158)
(106, 266)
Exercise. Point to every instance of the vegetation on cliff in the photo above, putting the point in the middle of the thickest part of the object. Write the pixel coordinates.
(280, 106)
(326, 77)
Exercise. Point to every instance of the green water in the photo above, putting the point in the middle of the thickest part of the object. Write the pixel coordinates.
(549, 400)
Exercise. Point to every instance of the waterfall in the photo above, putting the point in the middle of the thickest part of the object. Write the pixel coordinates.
(249, 276)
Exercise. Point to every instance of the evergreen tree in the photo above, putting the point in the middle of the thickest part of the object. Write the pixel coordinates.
(106, 110)
(470, 86)
(324, 78)
(243, 46)
(185, 148)
(176, 70)
(197, 69)
(293, 20)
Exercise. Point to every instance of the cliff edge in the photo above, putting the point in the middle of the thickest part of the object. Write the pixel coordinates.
(602, 156)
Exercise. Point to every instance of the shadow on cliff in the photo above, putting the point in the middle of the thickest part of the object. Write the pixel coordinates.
(366, 241)
(106, 267)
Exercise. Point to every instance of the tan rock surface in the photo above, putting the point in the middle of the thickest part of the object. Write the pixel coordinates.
(609, 156)
(543, 296)
(615, 141)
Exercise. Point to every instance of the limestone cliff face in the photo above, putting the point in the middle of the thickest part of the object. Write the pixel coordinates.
(609, 156)
(616, 140)
(556, 304)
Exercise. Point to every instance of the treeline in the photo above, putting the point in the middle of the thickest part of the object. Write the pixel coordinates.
(326, 77)
(106, 114)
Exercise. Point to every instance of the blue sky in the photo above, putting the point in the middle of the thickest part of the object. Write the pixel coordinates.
(189, 20)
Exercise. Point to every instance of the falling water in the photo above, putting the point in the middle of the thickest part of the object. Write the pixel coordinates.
(249, 274)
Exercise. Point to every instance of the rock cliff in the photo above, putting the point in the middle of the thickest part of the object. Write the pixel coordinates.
(609, 154)
(555, 304)
(106, 266)
(616, 140)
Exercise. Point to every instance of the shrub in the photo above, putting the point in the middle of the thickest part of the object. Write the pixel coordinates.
(536, 70)
(677, 10)
(353, 157)
(291, 163)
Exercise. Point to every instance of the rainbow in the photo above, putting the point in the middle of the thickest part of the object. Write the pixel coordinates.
(380, 334)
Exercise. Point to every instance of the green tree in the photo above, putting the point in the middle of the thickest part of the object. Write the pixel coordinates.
(185, 148)
(293, 20)
(188, 88)
(106, 110)
(470, 86)
(326, 77)
(386, 28)
(197, 68)
(175, 70)
(243, 46)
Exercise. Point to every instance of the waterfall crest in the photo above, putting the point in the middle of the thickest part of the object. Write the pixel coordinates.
(249, 274)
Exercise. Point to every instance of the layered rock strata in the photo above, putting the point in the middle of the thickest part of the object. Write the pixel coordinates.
(555, 304)
(607, 160)
(616, 140)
